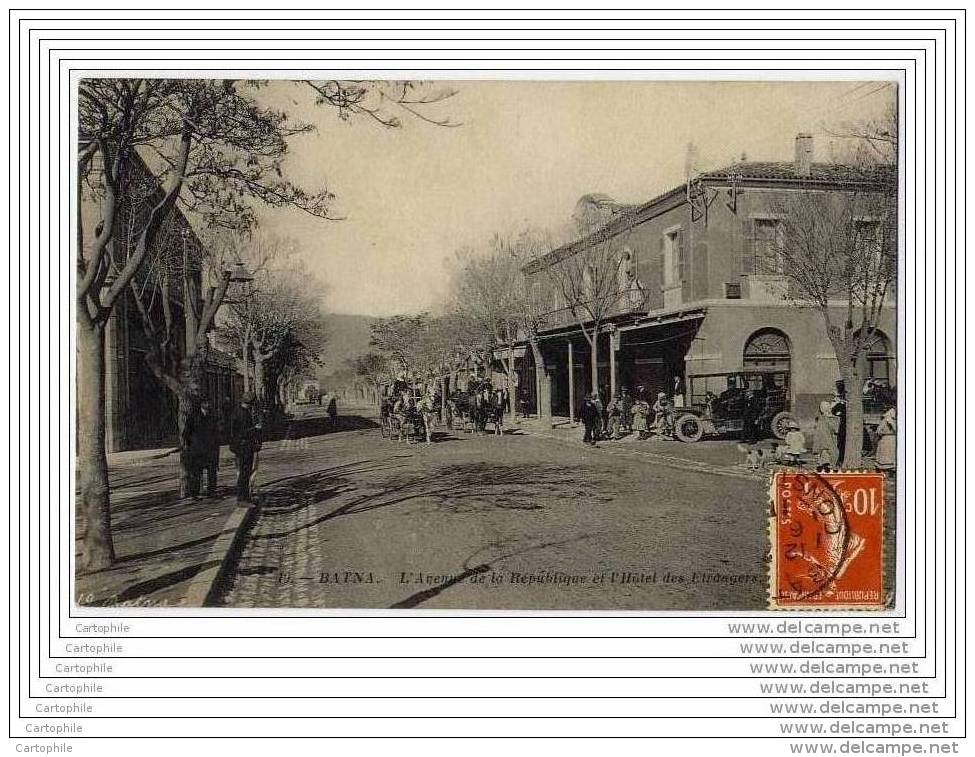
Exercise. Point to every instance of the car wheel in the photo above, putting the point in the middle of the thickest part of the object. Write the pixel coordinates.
(689, 428)
(781, 422)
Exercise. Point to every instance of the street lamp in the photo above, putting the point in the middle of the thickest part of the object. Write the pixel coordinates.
(240, 275)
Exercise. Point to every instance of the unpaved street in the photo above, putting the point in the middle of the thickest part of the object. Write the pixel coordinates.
(519, 522)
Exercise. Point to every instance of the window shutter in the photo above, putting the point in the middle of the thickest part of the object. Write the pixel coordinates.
(655, 278)
(681, 257)
(748, 246)
(783, 261)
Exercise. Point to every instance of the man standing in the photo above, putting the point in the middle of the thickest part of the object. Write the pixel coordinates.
(245, 441)
(592, 418)
(204, 447)
(839, 410)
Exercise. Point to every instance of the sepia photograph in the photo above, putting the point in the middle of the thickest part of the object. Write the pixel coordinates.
(486, 345)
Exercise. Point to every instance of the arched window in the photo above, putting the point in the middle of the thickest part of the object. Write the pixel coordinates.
(767, 349)
(880, 359)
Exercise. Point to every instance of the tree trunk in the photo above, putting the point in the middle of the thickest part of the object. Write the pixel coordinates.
(853, 450)
(188, 397)
(593, 363)
(259, 378)
(97, 549)
(245, 372)
(542, 397)
(508, 386)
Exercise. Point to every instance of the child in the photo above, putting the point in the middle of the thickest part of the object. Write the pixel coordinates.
(794, 447)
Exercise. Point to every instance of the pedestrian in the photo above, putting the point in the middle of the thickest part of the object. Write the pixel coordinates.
(626, 414)
(824, 437)
(839, 410)
(887, 441)
(204, 446)
(678, 392)
(591, 417)
(245, 441)
(614, 413)
(524, 401)
(795, 445)
(601, 423)
(663, 413)
(749, 418)
(641, 415)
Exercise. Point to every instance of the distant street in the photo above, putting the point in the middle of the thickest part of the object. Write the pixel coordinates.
(350, 519)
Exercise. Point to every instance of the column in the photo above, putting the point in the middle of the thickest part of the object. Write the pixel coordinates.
(572, 388)
(614, 340)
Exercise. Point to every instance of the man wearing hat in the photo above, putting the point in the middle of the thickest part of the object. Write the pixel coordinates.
(245, 441)
(591, 418)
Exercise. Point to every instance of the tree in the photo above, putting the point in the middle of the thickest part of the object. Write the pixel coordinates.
(146, 145)
(397, 338)
(371, 368)
(288, 330)
(235, 157)
(258, 253)
(486, 289)
(841, 247)
(533, 305)
(498, 300)
(594, 282)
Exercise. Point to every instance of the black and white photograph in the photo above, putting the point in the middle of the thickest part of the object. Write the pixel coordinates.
(476, 344)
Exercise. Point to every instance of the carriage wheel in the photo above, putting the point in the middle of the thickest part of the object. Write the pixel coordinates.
(689, 428)
(781, 423)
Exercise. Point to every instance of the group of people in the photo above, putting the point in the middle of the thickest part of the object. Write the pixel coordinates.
(626, 414)
(829, 434)
(409, 415)
(240, 425)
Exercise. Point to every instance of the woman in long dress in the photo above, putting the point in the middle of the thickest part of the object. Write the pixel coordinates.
(824, 437)
(887, 441)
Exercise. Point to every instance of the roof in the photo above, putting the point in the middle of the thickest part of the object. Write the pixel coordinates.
(754, 172)
(832, 173)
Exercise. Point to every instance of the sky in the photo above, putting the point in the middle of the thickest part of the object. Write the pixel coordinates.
(524, 153)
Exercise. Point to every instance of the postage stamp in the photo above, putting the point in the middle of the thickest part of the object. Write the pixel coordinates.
(827, 534)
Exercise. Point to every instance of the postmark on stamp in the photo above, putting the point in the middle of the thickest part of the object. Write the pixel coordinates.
(827, 533)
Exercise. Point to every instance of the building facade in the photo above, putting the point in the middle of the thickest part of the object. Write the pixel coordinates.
(140, 411)
(702, 291)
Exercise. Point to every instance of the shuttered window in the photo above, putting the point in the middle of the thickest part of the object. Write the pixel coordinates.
(675, 258)
(767, 242)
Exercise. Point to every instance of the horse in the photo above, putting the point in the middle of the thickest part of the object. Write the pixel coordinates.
(428, 413)
(495, 411)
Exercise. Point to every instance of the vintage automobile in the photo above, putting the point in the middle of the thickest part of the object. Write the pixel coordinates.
(720, 404)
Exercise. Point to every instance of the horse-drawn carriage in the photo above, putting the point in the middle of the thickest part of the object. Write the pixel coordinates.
(477, 407)
(405, 423)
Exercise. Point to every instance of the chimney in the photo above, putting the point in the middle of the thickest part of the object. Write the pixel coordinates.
(804, 154)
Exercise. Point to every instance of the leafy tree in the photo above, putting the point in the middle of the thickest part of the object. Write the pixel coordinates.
(146, 146)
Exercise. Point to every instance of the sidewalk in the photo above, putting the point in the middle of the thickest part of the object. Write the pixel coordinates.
(168, 550)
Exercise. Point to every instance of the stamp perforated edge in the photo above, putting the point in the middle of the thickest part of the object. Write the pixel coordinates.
(772, 540)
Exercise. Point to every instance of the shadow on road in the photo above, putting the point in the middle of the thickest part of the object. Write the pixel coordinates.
(301, 428)
(456, 488)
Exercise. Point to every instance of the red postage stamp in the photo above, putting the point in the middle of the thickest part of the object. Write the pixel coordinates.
(827, 533)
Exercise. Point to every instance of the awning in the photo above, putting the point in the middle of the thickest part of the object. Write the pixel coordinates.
(663, 319)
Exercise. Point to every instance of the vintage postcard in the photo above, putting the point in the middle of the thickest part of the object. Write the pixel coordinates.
(504, 345)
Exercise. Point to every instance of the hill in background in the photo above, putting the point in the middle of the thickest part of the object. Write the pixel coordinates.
(348, 337)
